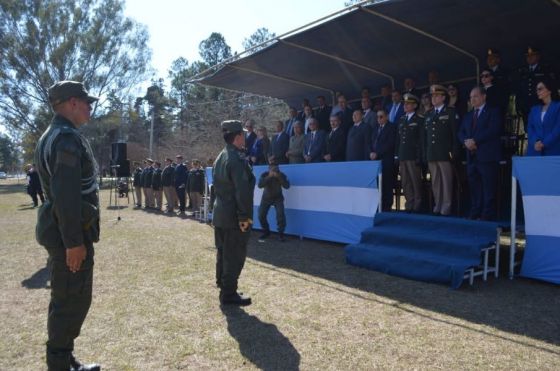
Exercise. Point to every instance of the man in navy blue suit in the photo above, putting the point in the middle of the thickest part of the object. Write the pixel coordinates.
(358, 141)
(314, 147)
(250, 135)
(480, 132)
(336, 142)
(383, 140)
(396, 109)
(280, 143)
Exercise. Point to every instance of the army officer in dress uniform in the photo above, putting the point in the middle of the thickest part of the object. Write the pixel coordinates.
(234, 184)
(409, 153)
(68, 223)
(441, 145)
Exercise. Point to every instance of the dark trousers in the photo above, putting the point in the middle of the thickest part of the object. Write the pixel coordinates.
(231, 244)
(69, 305)
(34, 194)
(280, 215)
(387, 187)
(181, 195)
(483, 179)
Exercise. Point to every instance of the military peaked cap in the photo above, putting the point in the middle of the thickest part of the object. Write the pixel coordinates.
(232, 126)
(64, 90)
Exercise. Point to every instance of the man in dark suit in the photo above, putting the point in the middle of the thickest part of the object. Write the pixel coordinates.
(314, 147)
(384, 101)
(289, 124)
(181, 177)
(369, 113)
(336, 142)
(480, 132)
(280, 143)
(501, 74)
(358, 141)
(250, 135)
(322, 114)
(345, 113)
(383, 140)
(526, 84)
(410, 87)
(396, 109)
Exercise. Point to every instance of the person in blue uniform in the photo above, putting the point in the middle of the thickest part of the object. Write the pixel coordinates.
(480, 133)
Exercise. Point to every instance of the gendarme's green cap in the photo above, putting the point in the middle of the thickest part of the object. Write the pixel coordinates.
(232, 126)
(64, 90)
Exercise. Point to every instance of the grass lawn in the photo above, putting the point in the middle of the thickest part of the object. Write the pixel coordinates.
(155, 306)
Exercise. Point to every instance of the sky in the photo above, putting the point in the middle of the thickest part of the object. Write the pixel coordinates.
(176, 27)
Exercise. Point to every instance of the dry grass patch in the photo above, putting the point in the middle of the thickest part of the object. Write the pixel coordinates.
(155, 306)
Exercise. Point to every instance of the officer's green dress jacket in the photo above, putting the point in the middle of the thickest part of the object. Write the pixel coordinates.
(234, 184)
(440, 135)
(68, 173)
(409, 143)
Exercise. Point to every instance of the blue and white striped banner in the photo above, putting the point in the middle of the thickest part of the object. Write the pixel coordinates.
(539, 178)
(326, 201)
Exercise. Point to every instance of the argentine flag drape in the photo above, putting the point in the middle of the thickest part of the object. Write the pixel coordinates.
(326, 201)
(539, 178)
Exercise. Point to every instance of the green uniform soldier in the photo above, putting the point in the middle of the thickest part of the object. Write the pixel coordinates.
(68, 223)
(409, 153)
(273, 181)
(441, 145)
(234, 184)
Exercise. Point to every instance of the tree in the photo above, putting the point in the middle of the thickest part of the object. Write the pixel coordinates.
(258, 37)
(8, 153)
(42, 42)
(214, 49)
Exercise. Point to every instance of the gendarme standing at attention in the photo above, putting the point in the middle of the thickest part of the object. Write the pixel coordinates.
(234, 184)
(68, 222)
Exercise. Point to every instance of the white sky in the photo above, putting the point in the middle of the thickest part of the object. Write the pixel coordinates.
(176, 27)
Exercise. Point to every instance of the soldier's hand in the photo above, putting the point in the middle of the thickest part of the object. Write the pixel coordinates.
(244, 226)
(74, 257)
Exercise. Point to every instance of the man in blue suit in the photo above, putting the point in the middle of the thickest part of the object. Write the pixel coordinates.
(250, 135)
(358, 141)
(280, 143)
(383, 142)
(314, 147)
(289, 124)
(396, 109)
(480, 132)
(335, 149)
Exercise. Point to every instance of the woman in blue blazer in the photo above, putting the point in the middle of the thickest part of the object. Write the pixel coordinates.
(544, 122)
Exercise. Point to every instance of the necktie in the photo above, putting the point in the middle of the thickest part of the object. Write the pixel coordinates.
(393, 113)
(474, 119)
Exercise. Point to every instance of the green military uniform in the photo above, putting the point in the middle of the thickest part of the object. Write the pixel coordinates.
(409, 153)
(441, 146)
(272, 196)
(234, 184)
(70, 218)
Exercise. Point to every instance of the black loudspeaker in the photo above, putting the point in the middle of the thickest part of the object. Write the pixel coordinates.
(118, 153)
(123, 169)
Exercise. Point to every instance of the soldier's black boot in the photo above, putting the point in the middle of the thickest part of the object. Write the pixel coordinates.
(77, 366)
(265, 235)
(235, 299)
(281, 237)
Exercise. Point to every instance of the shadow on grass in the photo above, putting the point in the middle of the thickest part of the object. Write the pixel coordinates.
(520, 307)
(260, 342)
(38, 280)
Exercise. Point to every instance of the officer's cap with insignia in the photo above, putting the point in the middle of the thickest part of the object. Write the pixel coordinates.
(438, 90)
(411, 98)
(232, 126)
(149, 160)
(532, 51)
(64, 90)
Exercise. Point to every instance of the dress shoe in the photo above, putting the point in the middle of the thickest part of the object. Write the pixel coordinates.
(235, 299)
(75, 365)
(265, 235)
(281, 237)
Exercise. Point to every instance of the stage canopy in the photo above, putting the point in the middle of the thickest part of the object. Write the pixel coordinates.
(388, 41)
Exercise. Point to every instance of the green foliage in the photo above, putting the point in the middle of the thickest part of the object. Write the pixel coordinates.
(260, 36)
(8, 153)
(42, 42)
(214, 49)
